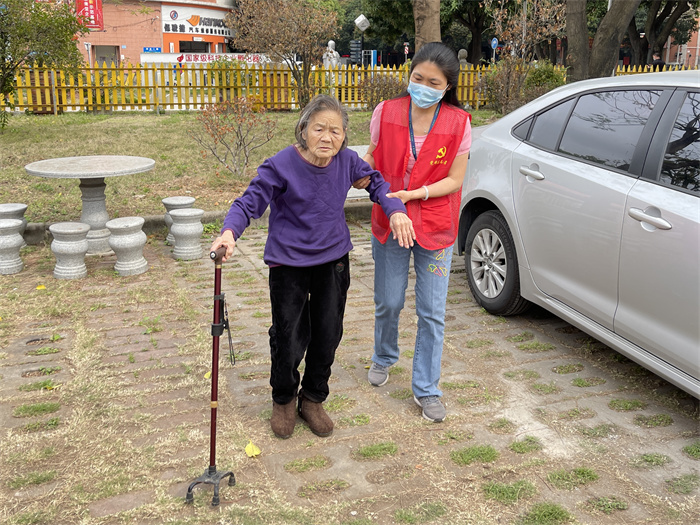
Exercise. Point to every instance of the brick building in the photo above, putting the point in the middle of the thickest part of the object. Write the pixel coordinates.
(134, 27)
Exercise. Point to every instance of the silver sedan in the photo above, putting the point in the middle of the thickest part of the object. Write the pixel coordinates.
(586, 202)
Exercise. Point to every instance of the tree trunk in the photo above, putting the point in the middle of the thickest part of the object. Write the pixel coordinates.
(577, 37)
(606, 43)
(635, 43)
(426, 16)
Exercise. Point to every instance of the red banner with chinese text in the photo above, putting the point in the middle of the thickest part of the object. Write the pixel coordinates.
(91, 11)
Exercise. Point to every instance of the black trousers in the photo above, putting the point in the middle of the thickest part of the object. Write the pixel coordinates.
(308, 305)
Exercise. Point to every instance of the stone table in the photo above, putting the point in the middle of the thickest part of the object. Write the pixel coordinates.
(92, 171)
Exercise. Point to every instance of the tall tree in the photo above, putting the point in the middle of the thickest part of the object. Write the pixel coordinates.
(662, 17)
(426, 17)
(600, 61)
(35, 33)
(285, 30)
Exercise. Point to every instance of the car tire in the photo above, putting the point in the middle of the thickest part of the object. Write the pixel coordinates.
(492, 265)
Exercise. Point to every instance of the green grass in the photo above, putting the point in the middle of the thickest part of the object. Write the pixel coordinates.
(607, 505)
(423, 513)
(521, 375)
(48, 370)
(575, 414)
(626, 405)
(402, 393)
(520, 338)
(321, 488)
(509, 493)
(41, 426)
(36, 409)
(684, 484)
(567, 369)
(32, 478)
(545, 388)
(354, 421)
(502, 426)
(546, 514)
(585, 382)
(44, 350)
(378, 450)
(650, 460)
(452, 436)
(534, 347)
(570, 479)
(480, 453)
(477, 343)
(47, 384)
(338, 403)
(693, 450)
(151, 324)
(307, 464)
(598, 431)
(655, 420)
(526, 445)
(460, 385)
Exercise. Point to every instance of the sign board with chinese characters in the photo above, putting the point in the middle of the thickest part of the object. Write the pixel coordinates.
(91, 11)
(194, 21)
(152, 49)
(201, 58)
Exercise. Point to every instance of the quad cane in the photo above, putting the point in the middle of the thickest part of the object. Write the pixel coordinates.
(211, 476)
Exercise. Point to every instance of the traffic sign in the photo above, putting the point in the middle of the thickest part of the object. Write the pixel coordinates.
(494, 43)
(405, 48)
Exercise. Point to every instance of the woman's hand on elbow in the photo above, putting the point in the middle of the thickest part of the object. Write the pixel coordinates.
(225, 239)
(362, 183)
(402, 228)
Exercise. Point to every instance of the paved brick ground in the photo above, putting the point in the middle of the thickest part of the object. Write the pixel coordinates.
(133, 372)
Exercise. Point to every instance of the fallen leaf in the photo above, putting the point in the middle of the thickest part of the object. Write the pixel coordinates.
(41, 287)
(207, 375)
(252, 450)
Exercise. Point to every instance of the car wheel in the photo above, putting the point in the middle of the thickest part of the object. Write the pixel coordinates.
(492, 265)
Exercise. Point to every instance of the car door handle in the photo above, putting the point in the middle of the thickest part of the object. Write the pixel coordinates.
(644, 216)
(529, 172)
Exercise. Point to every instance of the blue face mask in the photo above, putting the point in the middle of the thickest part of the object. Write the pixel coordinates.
(424, 96)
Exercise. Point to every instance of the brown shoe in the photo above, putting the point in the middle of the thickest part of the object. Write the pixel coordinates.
(283, 419)
(316, 417)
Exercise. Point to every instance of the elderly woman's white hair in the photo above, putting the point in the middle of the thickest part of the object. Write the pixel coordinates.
(317, 104)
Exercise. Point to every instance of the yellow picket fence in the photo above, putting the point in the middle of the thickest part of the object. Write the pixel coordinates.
(168, 87)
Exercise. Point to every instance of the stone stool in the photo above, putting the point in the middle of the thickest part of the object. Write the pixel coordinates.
(127, 240)
(187, 229)
(15, 210)
(174, 203)
(69, 245)
(10, 243)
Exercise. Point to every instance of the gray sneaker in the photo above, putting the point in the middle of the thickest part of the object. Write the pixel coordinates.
(378, 375)
(433, 409)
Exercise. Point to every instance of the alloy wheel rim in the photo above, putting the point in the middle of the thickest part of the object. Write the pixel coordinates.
(489, 266)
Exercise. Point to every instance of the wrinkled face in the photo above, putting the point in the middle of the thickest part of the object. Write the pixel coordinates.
(324, 135)
(428, 74)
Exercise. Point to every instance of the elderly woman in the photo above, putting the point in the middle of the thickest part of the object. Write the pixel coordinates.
(307, 248)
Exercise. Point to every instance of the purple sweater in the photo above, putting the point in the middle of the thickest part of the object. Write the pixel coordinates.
(307, 218)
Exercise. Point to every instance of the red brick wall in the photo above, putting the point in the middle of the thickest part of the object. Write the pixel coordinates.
(132, 25)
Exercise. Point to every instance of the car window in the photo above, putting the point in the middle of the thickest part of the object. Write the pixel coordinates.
(548, 126)
(681, 166)
(522, 129)
(604, 127)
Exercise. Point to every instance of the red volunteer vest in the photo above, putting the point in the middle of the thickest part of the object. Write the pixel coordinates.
(435, 220)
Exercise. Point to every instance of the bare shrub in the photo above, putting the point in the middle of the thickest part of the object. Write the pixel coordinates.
(377, 88)
(231, 131)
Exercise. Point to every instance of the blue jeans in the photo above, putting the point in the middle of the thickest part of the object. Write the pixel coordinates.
(432, 267)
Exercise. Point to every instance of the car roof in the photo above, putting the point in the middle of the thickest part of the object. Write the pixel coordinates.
(663, 79)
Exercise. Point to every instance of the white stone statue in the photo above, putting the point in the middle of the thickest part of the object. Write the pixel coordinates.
(331, 58)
